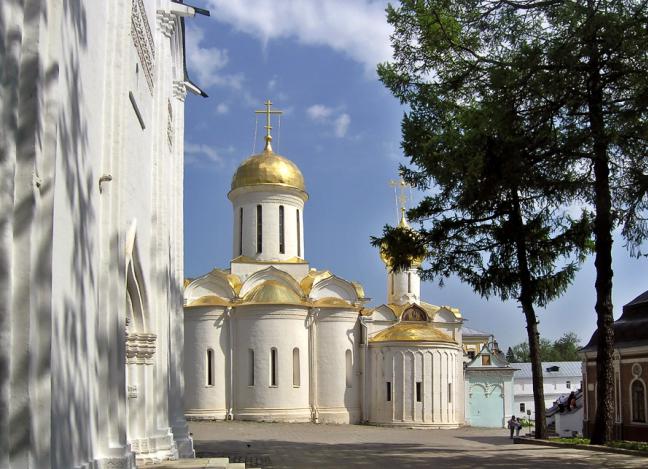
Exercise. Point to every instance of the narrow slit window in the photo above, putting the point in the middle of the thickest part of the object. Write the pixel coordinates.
(250, 367)
(568, 384)
(522, 407)
(241, 231)
(296, 370)
(450, 392)
(259, 229)
(282, 244)
(419, 394)
(409, 282)
(349, 368)
(273, 367)
(210, 367)
(389, 391)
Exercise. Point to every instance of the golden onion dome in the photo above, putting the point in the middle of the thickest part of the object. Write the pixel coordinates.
(416, 331)
(268, 167)
(415, 261)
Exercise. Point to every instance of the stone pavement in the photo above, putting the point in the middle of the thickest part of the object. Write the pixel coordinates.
(305, 445)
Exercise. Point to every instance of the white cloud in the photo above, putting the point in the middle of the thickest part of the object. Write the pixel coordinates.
(319, 112)
(356, 28)
(333, 118)
(272, 84)
(206, 63)
(222, 108)
(201, 155)
(341, 125)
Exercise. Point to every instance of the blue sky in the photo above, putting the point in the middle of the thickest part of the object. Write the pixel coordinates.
(316, 62)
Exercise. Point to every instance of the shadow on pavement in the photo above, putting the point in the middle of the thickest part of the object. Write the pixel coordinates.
(289, 454)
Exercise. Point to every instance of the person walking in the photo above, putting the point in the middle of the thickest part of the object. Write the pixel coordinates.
(518, 426)
(512, 424)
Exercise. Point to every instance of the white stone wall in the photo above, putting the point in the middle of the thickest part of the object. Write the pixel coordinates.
(84, 179)
(403, 365)
(337, 394)
(270, 200)
(262, 328)
(553, 389)
(206, 328)
(404, 287)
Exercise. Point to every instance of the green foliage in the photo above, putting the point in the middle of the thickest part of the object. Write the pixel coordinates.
(634, 445)
(563, 349)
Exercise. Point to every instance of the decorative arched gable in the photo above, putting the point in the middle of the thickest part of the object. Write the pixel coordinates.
(444, 315)
(217, 283)
(270, 274)
(334, 287)
(383, 313)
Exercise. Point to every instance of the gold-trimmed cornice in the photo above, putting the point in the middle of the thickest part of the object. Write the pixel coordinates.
(415, 331)
(249, 260)
(359, 290)
(331, 302)
(208, 300)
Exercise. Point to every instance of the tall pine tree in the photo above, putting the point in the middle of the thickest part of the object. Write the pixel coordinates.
(577, 90)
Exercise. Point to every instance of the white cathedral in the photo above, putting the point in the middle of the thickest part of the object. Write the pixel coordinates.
(272, 339)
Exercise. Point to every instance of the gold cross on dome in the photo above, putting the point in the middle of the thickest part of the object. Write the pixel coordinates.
(402, 196)
(268, 113)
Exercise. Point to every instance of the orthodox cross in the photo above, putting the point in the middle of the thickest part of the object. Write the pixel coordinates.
(401, 197)
(268, 125)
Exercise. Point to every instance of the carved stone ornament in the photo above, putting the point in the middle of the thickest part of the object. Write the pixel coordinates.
(166, 22)
(170, 129)
(140, 348)
(179, 90)
(636, 370)
(132, 391)
(143, 40)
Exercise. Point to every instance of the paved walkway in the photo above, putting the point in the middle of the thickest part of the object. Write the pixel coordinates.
(305, 445)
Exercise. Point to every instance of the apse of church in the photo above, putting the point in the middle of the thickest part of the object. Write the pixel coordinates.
(271, 338)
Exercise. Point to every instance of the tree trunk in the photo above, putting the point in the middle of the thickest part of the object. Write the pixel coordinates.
(526, 300)
(603, 225)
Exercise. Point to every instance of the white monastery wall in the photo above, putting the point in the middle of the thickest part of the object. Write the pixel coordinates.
(403, 367)
(262, 329)
(338, 385)
(206, 329)
(91, 294)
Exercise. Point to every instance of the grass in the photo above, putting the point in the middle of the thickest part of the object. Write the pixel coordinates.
(623, 444)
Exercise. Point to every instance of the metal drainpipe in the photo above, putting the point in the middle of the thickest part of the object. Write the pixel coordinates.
(364, 332)
(230, 407)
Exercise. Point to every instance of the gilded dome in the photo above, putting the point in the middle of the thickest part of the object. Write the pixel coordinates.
(416, 331)
(268, 168)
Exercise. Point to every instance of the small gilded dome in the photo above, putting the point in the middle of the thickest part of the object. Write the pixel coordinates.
(268, 168)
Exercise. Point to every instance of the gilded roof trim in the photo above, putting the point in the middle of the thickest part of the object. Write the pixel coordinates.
(208, 300)
(249, 260)
(312, 278)
(415, 331)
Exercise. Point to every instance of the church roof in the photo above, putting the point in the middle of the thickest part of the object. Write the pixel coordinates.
(415, 331)
(470, 332)
(631, 329)
(550, 370)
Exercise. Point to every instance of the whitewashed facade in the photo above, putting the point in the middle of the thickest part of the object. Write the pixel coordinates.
(91, 254)
(272, 339)
(559, 379)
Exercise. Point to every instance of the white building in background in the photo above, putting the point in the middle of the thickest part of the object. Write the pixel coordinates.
(560, 379)
(271, 338)
(91, 248)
